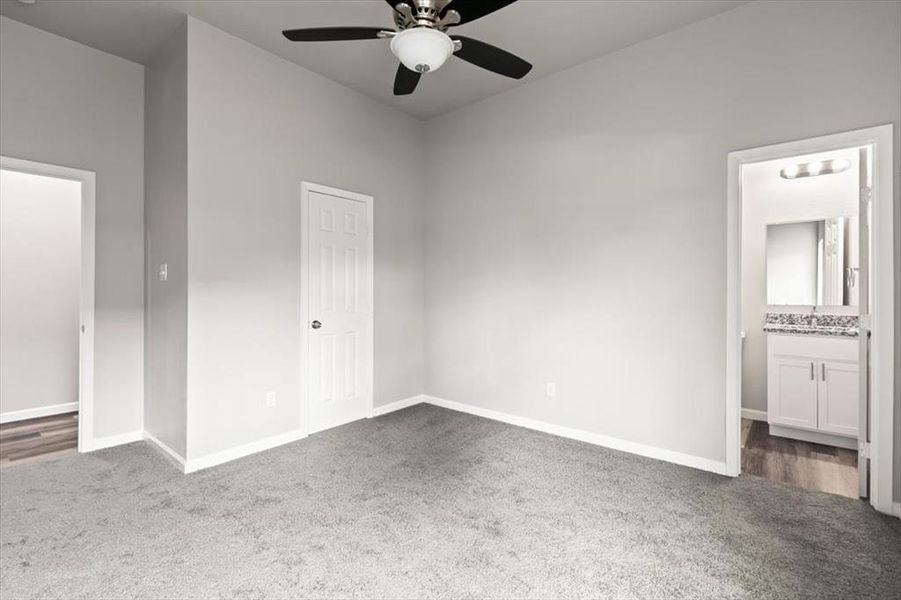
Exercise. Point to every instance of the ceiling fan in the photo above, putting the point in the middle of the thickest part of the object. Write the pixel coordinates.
(420, 40)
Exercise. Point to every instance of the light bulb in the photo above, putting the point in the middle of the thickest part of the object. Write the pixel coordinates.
(790, 171)
(840, 165)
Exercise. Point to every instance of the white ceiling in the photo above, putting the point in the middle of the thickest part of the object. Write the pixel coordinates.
(551, 34)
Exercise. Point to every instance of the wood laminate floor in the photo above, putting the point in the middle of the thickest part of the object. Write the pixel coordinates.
(36, 439)
(803, 464)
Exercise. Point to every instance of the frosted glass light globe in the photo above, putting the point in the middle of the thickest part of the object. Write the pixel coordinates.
(422, 49)
(790, 172)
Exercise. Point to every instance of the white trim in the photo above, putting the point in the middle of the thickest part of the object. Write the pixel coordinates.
(86, 440)
(399, 405)
(687, 460)
(11, 416)
(217, 458)
(734, 334)
(305, 188)
(897, 509)
(753, 414)
(177, 459)
(882, 299)
(117, 440)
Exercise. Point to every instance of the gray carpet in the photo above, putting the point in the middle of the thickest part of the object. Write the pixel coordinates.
(430, 503)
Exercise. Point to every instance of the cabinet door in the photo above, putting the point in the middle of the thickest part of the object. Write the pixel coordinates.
(792, 393)
(839, 392)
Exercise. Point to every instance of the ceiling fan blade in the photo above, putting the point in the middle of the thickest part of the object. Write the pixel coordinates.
(405, 81)
(491, 58)
(470, 10)
(332, 34)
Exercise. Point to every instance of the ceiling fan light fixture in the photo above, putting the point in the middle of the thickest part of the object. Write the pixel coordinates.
(419, 40)
(422, 49)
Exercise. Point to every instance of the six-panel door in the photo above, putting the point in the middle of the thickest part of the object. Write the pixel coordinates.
(340, 341)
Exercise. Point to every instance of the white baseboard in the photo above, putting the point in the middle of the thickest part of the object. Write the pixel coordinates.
(33, 413)
(753, 414)
(115, 440)
(399, 405)
(177, 459)
(688, 460)
(217, 458)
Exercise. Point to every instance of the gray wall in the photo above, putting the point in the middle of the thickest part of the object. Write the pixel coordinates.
(40, 290)
(66, 104)
(581, 235)
(166, 218)
(257, 126)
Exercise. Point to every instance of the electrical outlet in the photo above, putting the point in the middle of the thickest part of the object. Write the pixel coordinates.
(164, 272)
(551, 389)
(271, 400)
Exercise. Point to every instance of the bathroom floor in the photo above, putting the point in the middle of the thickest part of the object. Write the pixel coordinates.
(803, 464)
(37, 439)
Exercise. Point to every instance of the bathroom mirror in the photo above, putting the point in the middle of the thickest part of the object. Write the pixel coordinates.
(813, 263)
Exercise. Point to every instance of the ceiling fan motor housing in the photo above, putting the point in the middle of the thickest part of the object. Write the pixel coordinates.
(424, 13)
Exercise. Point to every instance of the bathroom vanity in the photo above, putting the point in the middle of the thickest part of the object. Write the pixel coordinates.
(813, 384)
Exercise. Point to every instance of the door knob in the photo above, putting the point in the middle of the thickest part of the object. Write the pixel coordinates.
(316, 324)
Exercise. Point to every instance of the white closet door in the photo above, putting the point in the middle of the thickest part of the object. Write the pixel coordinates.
(340, 311)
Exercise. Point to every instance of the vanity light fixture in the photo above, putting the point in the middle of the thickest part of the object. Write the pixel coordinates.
(812, 169)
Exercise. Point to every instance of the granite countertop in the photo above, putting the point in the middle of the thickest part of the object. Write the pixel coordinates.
(812, 324)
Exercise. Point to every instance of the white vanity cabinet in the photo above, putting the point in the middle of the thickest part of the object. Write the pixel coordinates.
(813, 388)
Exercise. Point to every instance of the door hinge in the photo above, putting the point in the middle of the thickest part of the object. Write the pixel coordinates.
(863, 449)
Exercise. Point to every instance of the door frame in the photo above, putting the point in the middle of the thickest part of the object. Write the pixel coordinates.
(882, 300)
(305, 188)
(86, 339)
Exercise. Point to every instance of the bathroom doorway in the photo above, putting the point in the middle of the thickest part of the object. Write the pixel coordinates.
(46, 309)
(810, 309)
